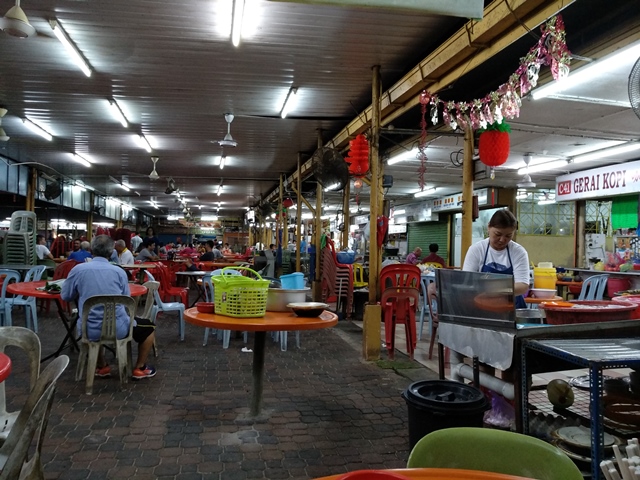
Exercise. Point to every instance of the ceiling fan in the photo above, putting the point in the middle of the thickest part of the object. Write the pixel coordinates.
(154, 175)
(171, 186)
(228, 140)
(526, 181)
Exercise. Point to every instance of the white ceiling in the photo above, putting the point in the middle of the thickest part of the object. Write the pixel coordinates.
(174, 71)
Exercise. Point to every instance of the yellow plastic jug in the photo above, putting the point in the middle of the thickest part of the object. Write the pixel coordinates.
(544, 277)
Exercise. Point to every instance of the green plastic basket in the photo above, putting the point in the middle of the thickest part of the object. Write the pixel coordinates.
(239, 296)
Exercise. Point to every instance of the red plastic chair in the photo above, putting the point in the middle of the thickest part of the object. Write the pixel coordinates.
(399, 284)
(167, 290)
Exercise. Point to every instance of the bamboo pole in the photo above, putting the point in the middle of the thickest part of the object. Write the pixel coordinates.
(90, 216)
(317, 285)
(345, 214)
(281, 238)
(372, 323)
(467, 194)
(298, 214)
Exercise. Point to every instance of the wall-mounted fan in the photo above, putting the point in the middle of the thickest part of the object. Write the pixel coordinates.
(634, 88)
(330, 169)
(53, 190)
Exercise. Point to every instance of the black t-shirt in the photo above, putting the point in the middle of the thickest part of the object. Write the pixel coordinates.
(207, 257)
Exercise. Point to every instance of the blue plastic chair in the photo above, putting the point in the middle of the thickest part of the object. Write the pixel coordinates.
(593, 287)
(34, 274)
(207, 285)
(10, 276)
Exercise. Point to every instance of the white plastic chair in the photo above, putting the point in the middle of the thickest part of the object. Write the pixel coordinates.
(29, 303)
(147, 311)
(593, 287)
(424, 284)
(89, 349)
(160, 306)
(10, 276)
(34, 416)
(207, 285)
(29, 342)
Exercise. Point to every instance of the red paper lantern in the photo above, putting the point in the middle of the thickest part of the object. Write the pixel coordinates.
(358, 156)
(493, 147)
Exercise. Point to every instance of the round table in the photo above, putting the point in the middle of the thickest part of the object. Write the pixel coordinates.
(272, 321)
(442, 474)
(5, 366)
(30, 289)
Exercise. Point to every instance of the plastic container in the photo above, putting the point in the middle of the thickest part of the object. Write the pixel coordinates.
(436, 404)
(633, 299)
(544, 278)
(292, 281)
(608, 312)
(346, 258)
(278, 298)
(617, 285)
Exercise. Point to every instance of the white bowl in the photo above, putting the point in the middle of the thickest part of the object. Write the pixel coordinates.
(543, 292)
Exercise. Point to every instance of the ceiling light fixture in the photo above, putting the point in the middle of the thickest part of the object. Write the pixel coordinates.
(223, 159)
(546, 202)
(542, 167)
(71, 48)
(117, 112)
(402, 157)
(289, 102)
(3, 135)
(144, 143)
(16, 23)
(119, 183)
(236, 21)
(81, 160)
(598, 154)
(588, 72)
(399, 212)
(522, 196)
(219, 189)
(35, 128)
(425, 192)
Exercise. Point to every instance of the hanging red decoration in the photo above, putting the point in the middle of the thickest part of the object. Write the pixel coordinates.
(358, 156)
(288, 202)
(494, 145)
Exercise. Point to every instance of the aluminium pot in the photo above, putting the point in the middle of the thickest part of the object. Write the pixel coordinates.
(279, 298)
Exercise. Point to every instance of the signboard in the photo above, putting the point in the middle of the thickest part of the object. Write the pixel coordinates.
(397, 229)
(454, 202)
(618, 179)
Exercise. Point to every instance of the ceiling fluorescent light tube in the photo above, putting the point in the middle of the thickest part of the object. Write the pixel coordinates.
(35, 128)
(542, 167)
(81, 160)
(289, 102)
(425, 192)
(145, 143)
(223, 160)
(402, 157)
(598, 154)
(399, 212)
(219, 189)
(117, 112)
(236, 22)
(587, 73)
(522, 196)
(72, 50)
(125, 187)
(546, 202)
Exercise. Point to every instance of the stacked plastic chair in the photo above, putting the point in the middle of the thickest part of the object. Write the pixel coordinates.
(337, 278)
(19, 247)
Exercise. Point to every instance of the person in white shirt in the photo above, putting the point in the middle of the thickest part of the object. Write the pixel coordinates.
(125, 257)
(42, 251)
(136, 240)
(499, 254)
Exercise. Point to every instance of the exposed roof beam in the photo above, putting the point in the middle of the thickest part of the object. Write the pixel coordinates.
(480, 40)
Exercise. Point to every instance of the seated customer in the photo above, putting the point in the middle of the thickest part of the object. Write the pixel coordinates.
(146, 254)
(125, 257)
(414, 257)
(433, 256)
(208, 255)
(99, 277)
(82, 254)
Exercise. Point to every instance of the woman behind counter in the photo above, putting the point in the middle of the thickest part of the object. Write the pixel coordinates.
(499, 254)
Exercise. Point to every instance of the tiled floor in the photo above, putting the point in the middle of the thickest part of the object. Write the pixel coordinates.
(326, 411)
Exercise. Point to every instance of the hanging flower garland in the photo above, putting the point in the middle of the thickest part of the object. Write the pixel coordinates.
(505, 102)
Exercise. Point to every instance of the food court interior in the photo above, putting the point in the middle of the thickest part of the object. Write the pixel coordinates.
(232, 120)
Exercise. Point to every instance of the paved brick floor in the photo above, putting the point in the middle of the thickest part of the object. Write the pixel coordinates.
(326, 412)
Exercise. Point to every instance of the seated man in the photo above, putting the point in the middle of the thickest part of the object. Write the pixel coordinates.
(208, 255)
(82, 254)
(414, 257)
(146, 254)
(99, 277)
(125, 257)
(433, 256)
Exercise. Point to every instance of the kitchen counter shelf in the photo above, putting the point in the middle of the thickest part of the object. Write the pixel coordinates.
(596, 355)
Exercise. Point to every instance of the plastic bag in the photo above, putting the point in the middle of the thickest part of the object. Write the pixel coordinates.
(502, 414)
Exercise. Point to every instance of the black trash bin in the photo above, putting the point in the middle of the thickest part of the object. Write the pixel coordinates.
(437, 404)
